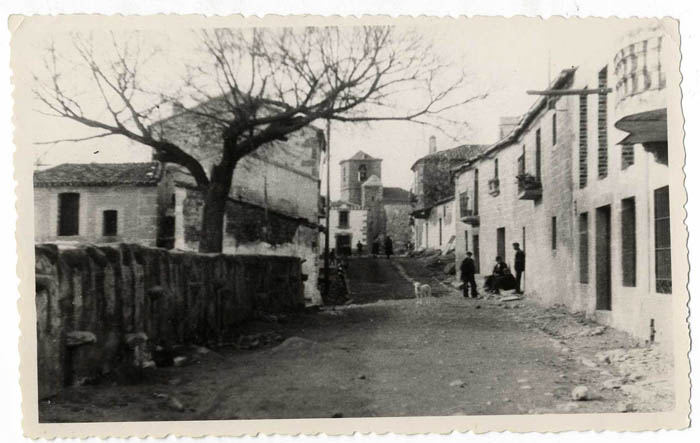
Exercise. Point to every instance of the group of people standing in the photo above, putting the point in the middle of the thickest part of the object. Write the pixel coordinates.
(376, 245)
(388, 246)
(501, 277)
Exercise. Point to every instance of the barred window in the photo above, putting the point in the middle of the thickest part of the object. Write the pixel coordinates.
(662, 240)
(538, 155)
(627, 156)
(583, 247)
(629, 242)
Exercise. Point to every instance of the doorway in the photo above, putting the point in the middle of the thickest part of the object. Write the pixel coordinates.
(343, 245)
(475, 251)
(602, 258)
(501, 243)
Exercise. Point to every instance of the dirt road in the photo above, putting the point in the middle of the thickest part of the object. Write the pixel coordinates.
(391, 357)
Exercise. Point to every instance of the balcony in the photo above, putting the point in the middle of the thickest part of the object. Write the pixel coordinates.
(494, 187)
(469, 217)
(529, 187)
(640, 74)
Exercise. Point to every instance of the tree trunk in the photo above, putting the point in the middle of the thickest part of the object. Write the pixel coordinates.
(212, 228)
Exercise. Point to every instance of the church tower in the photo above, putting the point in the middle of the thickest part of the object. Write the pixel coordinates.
(354, 172)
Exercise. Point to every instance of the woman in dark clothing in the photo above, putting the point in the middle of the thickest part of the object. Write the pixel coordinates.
(500, 278)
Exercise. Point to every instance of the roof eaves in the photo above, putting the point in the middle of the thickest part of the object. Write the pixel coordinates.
(564, 76)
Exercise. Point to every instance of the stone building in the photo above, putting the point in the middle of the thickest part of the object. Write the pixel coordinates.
(433, 189)
(104, 203)
(367, 210)
(273, 208)
(274, 204)
(582, 183)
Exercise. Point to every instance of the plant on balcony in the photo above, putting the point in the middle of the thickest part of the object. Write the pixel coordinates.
(528, 182)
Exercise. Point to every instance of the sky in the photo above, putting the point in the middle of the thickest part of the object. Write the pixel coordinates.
(503, 58)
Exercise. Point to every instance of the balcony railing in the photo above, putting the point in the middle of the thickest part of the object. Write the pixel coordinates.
(529, 187)
(469, 217)
(638, 67)
(494, 187)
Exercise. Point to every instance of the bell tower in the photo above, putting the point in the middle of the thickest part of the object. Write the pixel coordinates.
(354, 172)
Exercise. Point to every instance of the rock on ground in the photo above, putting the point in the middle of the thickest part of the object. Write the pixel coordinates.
(581, 393)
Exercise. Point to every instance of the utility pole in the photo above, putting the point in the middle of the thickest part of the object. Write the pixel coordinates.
(326, 261)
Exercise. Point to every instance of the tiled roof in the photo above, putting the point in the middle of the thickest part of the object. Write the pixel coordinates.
(460, 153)
(397, 195)
(99, 174)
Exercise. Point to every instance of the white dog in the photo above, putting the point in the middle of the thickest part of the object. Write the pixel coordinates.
(421, 291)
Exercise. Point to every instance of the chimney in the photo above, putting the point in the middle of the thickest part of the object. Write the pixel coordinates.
(432, 145)
(506, 125)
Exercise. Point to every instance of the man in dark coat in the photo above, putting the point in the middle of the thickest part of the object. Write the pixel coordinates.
(519, 265)
(468, 268)
(388, 247)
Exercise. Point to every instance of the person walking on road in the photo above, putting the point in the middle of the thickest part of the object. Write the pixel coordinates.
(519, 266)
(468, 268)
(388, 247)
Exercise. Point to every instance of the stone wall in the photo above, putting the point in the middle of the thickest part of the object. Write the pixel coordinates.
(251, 229)
(100, 307)
(398, 225)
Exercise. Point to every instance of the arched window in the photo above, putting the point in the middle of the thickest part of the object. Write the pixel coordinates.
(362, 173)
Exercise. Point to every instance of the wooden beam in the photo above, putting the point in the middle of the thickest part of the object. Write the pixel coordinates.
(558, 92)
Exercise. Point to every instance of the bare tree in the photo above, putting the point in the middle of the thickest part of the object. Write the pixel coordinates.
(256, 86)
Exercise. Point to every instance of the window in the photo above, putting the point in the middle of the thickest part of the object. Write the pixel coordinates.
(554, 233)
(109, 223)
(464, 204)
(538, 156)
(627, 156)
(583, 141)
(344, 174)
(68, 213)
(603, 125)
(629, 243)
(362, 173)
(476, 192)
(440, 232)
(662, 240)
(583, 247)
(495, 168)
(343, 219)
(521, 162)
(554, 128)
